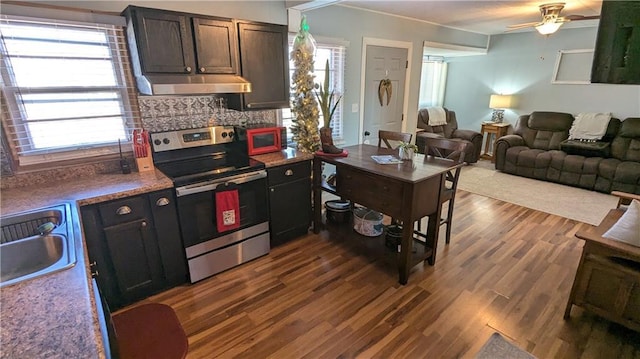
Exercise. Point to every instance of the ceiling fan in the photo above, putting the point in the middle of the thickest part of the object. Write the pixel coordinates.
(551, 19)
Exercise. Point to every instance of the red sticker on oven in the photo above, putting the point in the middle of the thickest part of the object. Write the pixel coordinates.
(227, 210)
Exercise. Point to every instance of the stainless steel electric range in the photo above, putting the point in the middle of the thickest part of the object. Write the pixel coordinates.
(201, 162)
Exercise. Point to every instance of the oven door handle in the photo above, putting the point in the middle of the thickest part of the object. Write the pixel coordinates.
(213, 184)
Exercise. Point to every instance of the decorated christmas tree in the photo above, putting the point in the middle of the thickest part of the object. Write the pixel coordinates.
(304, 105)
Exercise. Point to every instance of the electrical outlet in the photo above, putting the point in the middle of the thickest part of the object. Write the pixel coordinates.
(354, 107)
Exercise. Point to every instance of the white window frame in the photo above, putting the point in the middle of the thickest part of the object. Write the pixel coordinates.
(14, 117)
(433, 81)
(337, 69)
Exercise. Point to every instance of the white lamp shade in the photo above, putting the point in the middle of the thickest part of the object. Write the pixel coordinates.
(548, 28)
(500, 101)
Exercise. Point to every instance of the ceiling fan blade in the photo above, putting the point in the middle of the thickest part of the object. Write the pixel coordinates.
(580, 17)
(521, 26)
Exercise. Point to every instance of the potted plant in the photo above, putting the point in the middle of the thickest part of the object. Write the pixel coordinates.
(406, 150)
(328, 103)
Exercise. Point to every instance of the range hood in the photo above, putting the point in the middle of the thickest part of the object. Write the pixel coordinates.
(191, 85)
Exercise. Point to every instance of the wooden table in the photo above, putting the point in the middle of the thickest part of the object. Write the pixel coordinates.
(407, 192)
(608, 276)
(493, 132)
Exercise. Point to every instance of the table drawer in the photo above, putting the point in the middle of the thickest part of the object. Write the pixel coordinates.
(372, 191)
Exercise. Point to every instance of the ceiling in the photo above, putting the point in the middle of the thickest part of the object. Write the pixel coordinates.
(481, 16)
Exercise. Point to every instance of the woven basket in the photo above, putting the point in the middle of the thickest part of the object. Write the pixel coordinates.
(367, 222)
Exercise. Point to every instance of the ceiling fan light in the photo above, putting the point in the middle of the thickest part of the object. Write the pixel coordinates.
(548, 28)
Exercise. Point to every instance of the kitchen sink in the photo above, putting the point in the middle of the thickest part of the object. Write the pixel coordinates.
(36, 243)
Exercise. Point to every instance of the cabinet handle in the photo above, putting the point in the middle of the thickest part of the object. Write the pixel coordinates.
(143, 224)
(187, 69)
(94, 274)
(272, 189)
(162, 202)
(123, 210)
(202, 69)
(288, 173)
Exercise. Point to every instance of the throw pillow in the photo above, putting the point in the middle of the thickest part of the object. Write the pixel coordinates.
(627, 228)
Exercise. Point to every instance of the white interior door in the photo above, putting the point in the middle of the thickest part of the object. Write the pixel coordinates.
(384, 103)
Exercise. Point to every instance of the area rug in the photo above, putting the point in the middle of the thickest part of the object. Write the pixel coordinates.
(565, 201)
(499, 348)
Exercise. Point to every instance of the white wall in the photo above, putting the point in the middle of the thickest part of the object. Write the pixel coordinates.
(523, 64)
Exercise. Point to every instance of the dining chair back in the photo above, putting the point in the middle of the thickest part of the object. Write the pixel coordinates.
(386, 136)
(455, 151)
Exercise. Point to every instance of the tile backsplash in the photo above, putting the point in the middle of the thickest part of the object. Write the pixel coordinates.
(166, 113)
(158, 113)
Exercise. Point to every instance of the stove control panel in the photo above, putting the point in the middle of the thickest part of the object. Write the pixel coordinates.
(174, 140)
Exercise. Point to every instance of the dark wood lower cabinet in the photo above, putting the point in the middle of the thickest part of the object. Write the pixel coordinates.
(134, 246)
(289, 201)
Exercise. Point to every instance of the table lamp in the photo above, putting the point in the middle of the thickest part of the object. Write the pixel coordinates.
(498, 103)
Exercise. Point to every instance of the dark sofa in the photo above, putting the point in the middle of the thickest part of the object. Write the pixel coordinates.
(472, 138)
(539, 148)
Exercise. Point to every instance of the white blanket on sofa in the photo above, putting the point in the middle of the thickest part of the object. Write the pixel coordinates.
(437, 116)
(589, 126)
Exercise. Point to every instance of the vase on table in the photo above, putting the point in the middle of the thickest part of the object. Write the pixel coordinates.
(406, 154)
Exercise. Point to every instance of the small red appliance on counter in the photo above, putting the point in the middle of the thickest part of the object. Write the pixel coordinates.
(262, 140)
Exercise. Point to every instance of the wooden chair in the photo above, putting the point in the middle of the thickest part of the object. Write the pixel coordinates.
(454, 151)
(386, 136)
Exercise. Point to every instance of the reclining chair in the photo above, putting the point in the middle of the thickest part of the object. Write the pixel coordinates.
(450, 131)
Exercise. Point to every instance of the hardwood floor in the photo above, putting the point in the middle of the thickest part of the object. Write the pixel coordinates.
(508, 269)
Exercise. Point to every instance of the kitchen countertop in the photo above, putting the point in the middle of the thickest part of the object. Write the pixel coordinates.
(286, 156)
(54, 316)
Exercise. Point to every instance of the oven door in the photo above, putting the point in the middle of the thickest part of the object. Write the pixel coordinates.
(197, 207)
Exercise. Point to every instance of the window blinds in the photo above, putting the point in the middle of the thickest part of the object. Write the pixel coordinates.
(68, 88)
(336, 54)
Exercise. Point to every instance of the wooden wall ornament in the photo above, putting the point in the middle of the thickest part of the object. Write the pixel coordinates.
(385, 87)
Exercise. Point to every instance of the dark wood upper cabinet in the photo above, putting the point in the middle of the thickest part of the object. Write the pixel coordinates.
(169, 42)
(617, 53)
(216, 46)
(163, 41)
(264, 62)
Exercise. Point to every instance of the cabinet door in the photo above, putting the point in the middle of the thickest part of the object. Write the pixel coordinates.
(164, 41)
(216, 46)
(136, 259)
(100, 263)
(165, 219)
(289, 202)
(264, 62)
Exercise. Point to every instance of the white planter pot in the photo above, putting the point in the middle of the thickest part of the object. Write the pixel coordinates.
(405, 154)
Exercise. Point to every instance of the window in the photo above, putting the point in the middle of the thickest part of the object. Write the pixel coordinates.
(66, 89)
(335, 53)
(432, 81)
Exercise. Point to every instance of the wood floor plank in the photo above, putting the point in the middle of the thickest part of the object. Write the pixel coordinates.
(508, 269)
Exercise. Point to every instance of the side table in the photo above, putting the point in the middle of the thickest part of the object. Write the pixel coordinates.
(493, 131)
